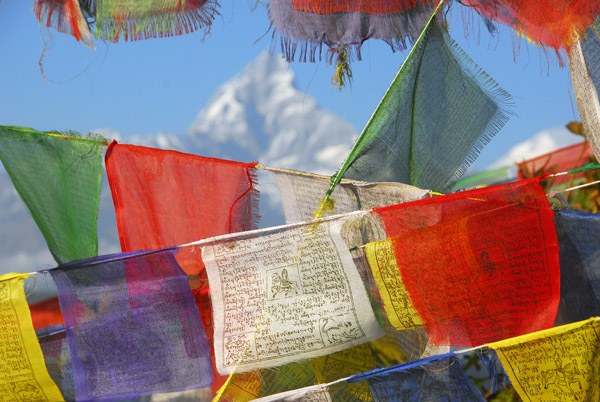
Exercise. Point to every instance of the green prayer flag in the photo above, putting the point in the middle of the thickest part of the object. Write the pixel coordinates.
(58, 178)
(143, 19)
(436, 116)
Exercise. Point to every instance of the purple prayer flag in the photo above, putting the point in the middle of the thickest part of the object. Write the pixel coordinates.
(133, 327)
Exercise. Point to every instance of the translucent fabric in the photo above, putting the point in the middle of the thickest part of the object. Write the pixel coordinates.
(436, 116)
(480, 265)
(132, 326)
(143, 19)
(579, 240)
(550, 23)
(308, 26)
(58, 178)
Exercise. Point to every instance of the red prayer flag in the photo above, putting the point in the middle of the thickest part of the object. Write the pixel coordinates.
(551, 23)
(46, 313)
(167, 198)
(560, 160)
(480, 265)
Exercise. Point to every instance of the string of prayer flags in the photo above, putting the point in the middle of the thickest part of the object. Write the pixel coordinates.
(302, 192)
(558, 364)
(66, 17)
(480, 265)
(436, 378)
(144, 19)
(132, 326)
(550, 23)
(285, 294)
(58, 178)
(343, 26)
(23, 374)
(584, 65)
(560, 160)
(435, 117)
(579, 240)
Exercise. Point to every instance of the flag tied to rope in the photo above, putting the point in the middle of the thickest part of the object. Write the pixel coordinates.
(132, 326)
(306, 25)
(437, 114)
(579, 240)
(58, 177)
(143, 19)
(550, 23)
(23, 374)
(481, 265)
(558, 364)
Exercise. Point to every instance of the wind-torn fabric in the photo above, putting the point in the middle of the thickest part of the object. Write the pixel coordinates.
(481, 265)
(439, 378)
(302, 192)
(285, 294)
(66, 17)
(23, 374)
(558, 364)
(306, 26)
(551, 23)
(436, 116)
(132, 326)
(579, 241)
(558, 161)
(58, 178)
(144, 19)
(584, 65)
(54, 344)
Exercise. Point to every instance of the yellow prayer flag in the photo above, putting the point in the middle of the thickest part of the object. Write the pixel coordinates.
(396, 302)
(557, 364)
(342, 364)
(23, 374)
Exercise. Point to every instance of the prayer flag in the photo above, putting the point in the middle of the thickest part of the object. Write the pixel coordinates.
(437, 378)
(23, 374)
(53, 340)
(436, 116)
(555, 365)
(579, 241)
(301, 193)
(396, 301)
(167, 198)
(285, 294)
(58, 178)
(480, 265)
(306, 25)
(66, 16)
(132, 326)
(550, 23)
(584, 65)
(558, 161)
(144, 19)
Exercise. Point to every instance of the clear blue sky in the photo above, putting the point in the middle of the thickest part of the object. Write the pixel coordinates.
(161, 84)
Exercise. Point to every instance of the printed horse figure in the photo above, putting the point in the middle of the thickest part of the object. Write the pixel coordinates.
(562, 378)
